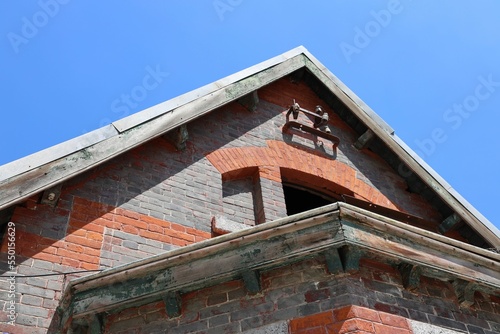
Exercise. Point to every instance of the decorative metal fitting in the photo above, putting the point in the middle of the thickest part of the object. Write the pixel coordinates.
(320, 126)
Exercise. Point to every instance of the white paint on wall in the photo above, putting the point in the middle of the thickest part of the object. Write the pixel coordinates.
(275, 328)
(423, 328)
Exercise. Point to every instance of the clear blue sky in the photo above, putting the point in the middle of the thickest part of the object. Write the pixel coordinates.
(429, 68)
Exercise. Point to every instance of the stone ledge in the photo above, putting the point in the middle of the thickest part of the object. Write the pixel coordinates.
(221, 225)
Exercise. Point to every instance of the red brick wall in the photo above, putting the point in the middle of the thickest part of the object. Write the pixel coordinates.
(350, 319)
(81, 247)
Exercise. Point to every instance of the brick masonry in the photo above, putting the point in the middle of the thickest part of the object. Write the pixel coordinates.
(95, 229)
(154, 198)
(96, 236)
(309, 300)
(238, 200)
(351, 319)
(318, 172)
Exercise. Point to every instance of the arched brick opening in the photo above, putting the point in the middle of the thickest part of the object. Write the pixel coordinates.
(280, 162)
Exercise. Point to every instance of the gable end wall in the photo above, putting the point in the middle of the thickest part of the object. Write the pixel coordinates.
(154, 198)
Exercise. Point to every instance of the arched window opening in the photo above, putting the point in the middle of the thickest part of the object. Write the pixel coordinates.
(299, 199)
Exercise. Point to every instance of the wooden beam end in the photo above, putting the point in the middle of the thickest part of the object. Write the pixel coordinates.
(364, 139)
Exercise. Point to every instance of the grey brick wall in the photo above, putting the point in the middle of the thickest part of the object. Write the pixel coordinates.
(272, 199)
(36, 298)
(120, 248)
(238, 198)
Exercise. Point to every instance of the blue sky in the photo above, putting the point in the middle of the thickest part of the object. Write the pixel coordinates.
(430, 69)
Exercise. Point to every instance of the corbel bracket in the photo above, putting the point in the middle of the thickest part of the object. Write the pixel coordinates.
(333, 261)
(465, 292)
(250, 101)
(178, 137)
(95, 324)
(449, 223)
(251, 278)
(364, 139)
(410, 275)
(350, 256)
(172, 302)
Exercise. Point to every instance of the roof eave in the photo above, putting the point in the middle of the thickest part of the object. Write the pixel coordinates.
(330, 230)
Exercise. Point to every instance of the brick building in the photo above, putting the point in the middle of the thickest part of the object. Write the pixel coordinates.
(232, 209)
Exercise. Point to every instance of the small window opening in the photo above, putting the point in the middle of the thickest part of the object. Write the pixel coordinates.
(299, 199)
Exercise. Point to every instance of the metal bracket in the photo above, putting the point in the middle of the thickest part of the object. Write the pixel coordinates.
(320, 125)
(321, 117)
(296, 125)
